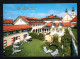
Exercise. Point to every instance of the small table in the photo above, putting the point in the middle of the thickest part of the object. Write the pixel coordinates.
(49, 50)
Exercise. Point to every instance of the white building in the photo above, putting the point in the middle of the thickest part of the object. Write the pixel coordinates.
(67, 17)
(50, 24)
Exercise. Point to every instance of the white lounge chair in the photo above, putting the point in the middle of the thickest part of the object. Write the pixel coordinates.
(45, 50)
(15, 51)
(14, 46)
(55, 52)
(25, 40)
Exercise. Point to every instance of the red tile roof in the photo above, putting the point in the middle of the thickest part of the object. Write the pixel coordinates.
(51, 17)
(26, 18)
(37, 22)
(74, 23)
(65, 24)
(49, 24)
(7, 21)
(57, 24)
(7, 28)
(74, 19)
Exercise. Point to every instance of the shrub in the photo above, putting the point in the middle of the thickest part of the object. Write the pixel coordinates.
(34, 35)
(75, 26)
(41, 36)
(37, 36)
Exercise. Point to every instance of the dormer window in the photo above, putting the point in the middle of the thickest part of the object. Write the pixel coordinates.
(53, 24)
(60, 24)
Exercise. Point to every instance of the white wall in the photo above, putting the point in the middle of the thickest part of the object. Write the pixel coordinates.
(67, 17)
(20, 21)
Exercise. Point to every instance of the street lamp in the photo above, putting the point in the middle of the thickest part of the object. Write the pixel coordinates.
(62, 49)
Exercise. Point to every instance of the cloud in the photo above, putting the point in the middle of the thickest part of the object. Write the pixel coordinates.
(9, 17)
(41, 15)
(36, 15)
(62, 14)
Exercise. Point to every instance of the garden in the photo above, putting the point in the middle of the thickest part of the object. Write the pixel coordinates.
(34, 48)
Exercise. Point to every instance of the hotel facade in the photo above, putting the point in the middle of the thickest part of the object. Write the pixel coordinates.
(19, 28)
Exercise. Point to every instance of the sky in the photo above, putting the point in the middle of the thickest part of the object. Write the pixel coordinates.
(12, 11)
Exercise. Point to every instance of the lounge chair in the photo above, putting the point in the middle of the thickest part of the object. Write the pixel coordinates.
(15, 51)
(25, 40)
(55, 52)
(45, 50)
(14, 46)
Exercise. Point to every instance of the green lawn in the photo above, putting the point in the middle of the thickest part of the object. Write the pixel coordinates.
(31, 49)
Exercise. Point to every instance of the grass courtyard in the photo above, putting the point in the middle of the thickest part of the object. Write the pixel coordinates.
(31, 49)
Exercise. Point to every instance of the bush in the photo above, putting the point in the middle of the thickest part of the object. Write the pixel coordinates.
(55, 38)
(37, 36)
(75, 26)
(34, 35)
(41, 36)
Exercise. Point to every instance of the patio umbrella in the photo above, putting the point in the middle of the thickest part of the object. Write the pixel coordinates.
(17, 41)
(28, 37)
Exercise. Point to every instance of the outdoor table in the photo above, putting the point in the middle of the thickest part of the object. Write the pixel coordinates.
(49, 50)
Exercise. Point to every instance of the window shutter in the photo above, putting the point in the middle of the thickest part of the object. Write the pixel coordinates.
(5, 43)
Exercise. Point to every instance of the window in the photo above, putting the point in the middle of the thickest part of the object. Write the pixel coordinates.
(53, 24)
(60, 24)
(14, 39)
(25, 35)
(57, 29)
(18, 31)
(14, 32)
(36, 24)
(53, 28)
(5, 34)
(60, 29)
(11, 32)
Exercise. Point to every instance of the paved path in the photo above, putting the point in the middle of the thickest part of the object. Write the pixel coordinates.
(71, 33)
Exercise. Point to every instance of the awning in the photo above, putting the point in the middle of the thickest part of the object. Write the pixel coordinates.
(45, 27)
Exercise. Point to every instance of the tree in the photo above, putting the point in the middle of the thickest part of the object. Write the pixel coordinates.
(67, 38)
